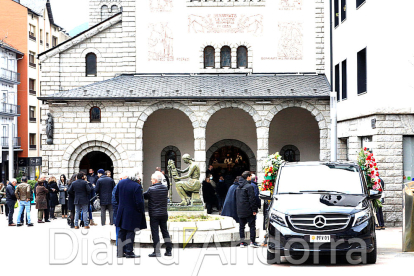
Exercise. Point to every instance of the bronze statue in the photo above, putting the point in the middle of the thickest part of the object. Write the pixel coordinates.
(189, 190)
(49, 129)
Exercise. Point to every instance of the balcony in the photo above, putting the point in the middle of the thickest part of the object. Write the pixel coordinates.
(32, 92)
(32, 120)
(16, 142)
(32, 147)
(32, 65)
(10, 77)
(41, 42)
(9, 109)
(47, 45)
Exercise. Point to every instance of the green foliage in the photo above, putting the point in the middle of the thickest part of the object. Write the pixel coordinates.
(32, 183)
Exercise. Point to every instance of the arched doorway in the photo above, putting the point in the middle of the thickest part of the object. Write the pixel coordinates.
(230, 158)
(96, 160)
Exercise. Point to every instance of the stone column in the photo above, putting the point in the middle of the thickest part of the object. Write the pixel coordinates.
(200, 149)
(262, 150)
(139, 158)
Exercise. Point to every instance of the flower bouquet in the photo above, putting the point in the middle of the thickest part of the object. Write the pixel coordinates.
(271, 167)
(369, 166)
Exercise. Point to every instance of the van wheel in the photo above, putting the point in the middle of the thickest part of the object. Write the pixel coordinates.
(272, 258)
(372, 257)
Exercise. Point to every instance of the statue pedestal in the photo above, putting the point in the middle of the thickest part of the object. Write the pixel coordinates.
(177, 208)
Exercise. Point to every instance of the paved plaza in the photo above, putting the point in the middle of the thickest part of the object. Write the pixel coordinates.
(38, 241)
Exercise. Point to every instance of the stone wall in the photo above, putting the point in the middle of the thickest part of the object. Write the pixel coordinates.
(120, 133)
(387, 146)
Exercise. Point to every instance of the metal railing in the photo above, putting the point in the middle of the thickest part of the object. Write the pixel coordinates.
(9, 75)
(32, 36)
(9, 109)
(16, 142)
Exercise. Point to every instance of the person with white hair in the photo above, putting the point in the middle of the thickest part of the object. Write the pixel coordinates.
(157, 196)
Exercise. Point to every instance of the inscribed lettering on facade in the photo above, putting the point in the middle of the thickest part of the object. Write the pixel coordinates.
(161, 5)
(290, 5)
(225, 23)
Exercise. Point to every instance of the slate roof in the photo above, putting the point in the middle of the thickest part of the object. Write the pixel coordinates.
(10, 48)
(37, 6)
(196, 87)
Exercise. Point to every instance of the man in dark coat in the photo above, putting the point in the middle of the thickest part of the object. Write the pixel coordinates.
(209, 195)
(221, 189)
(256, 190)
(130, 216)
(157, 196)
(11, 199)
(246, 208)
(104, 188)
(81, 190)
(230, 207)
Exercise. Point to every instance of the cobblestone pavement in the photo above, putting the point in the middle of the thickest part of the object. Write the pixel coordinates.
(33, 247)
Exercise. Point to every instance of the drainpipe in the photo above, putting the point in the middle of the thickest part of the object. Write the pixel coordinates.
(333, 97)
(11, 152)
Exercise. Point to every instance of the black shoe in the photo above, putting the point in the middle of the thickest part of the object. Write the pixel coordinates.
(19, 224)
(30, 224)
(123, 256)
(132, 256)
(47, 220)
(168, 254)
(153, 255)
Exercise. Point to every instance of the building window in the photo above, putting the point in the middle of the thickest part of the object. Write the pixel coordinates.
(209, 57)
(32, 141)
(343, 10)
(225, 57)
(32, 32)
(47, 40)
(114, 9)
(32, 115)
(242, 60)
(41, 37)
(91, 67)
(290, 153)
(104, 12)
(336, 12)
(362, 71)
(344, 81)
(366, 142)
(359, 3)
(337, 82)
(32, 87)
(54, 41)
(32, 59)
(95, 115)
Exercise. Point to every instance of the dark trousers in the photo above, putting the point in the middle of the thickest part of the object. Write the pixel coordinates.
(64, 209)
(72, 217)
(46, 212)
(103, 214)
(52, 212)
(160, 222)
(251, 221)
(23, 215)
(11, 204)
(127, 248)
(221, 200)
(380, 217)
(6, 207)
(209, 207)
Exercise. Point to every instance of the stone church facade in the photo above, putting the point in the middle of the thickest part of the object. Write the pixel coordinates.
(130, 92)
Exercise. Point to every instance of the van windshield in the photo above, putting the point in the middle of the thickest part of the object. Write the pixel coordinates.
(324, 178)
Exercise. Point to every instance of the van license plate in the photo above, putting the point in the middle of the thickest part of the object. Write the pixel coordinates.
(320, 238)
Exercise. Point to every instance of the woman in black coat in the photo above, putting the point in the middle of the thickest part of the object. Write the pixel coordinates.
(63, 195)
(54, 199)
(71, 202)
(209, 195)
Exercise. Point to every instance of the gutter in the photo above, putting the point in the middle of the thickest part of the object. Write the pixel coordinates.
(130, 99)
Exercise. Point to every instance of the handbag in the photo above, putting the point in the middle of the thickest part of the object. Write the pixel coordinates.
(97, 204)
(16, 204)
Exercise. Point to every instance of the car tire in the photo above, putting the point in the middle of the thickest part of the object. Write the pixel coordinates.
(372, 257)
(272, 258)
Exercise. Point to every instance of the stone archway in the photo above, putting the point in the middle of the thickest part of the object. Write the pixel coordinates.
(238, 105)
(164, 157)
(237, 144)
(84, 145)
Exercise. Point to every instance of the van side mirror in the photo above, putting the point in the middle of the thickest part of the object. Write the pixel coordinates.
(373, 194)
(265, 195)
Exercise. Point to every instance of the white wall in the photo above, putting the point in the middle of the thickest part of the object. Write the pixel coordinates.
(384, 29)
(189, 29)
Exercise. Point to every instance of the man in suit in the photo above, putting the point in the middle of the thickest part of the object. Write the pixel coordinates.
(81, 189)
(131, 214)
(157, 196)
(103, 189)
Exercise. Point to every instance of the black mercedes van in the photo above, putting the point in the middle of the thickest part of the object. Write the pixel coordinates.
(320, 208)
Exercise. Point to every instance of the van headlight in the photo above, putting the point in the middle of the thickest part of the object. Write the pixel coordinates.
(278, 218)
(362, 217)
